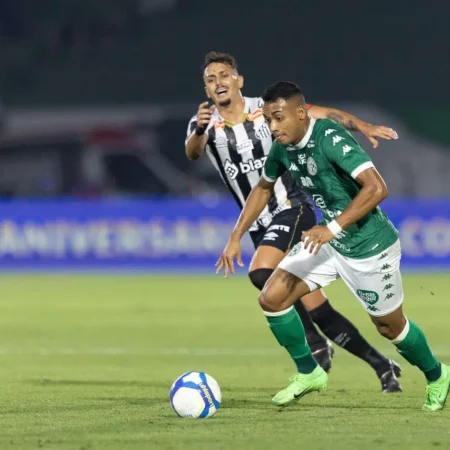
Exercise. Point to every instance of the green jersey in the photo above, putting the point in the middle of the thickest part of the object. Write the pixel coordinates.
(326, 163)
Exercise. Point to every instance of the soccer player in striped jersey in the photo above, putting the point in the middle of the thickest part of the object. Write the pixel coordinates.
(236, 138)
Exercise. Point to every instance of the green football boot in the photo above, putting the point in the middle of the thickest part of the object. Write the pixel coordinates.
(301, 385)
(437, 391)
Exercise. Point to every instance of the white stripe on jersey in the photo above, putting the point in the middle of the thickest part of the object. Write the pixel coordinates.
(224, 153)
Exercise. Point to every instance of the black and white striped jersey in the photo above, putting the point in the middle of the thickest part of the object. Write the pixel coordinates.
(239, 153)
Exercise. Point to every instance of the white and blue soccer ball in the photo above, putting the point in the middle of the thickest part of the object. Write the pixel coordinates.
(196, 395)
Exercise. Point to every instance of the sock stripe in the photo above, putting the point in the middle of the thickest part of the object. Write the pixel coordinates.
(279, 313)
(401, 337)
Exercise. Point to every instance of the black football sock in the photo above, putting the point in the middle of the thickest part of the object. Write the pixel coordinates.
(315, 340)
(341, 331)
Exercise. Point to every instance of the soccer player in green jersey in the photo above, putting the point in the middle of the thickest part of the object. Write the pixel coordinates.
(355, 241)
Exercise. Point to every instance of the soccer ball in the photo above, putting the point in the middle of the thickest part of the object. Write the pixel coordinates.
(196, 395)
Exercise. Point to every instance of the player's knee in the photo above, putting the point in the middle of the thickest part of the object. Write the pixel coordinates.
(266, 301)
(389, 330)
(259, 277)
(390, 326)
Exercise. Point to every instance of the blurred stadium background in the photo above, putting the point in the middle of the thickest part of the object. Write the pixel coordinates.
(95, 103)
(95, 97)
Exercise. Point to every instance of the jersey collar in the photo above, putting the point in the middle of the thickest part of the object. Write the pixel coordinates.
(306, 137)
(247, 108)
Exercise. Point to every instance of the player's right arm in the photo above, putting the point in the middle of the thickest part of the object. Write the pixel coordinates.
(197, 136)
(256, 202)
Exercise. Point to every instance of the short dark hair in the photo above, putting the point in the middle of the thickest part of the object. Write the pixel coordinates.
(283, 89)
(218, 57)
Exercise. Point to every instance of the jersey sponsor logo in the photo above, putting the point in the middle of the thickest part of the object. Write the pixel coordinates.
(306, 181)
(279, 228)
(270, 236)
(337, 139)
(319, 201)
(329, 131)
(263, 132)
(294, 168)
(219, 124)
(302, 158)
(346, 149)
(339, 245)
(254, 115)
(221, 143)
(244, 146)
(311, 166)
(332, 214)
(232, 170)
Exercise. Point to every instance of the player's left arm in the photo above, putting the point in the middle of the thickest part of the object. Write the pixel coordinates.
(343, 151)
(353, 123)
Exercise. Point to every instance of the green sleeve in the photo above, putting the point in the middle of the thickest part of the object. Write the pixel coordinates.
(274, 167)
(341, 148)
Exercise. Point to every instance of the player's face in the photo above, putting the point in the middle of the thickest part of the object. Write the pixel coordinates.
(222, 83)
(287, 120)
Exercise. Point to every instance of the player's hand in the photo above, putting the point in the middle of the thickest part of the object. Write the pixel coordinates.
(372, 132)
(204, 114)
(232, 251)
(316, 237)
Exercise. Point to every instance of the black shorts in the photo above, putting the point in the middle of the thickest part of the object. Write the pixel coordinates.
(286, 228)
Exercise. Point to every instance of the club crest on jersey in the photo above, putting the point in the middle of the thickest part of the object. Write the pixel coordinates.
(263, 132)
(311, 166)
(254, 115)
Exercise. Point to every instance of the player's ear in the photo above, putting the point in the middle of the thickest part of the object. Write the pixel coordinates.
(206, 92)
(240, 81)
(301, 112)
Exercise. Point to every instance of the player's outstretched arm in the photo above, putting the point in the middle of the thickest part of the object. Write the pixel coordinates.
(256, 202)
(373, 191)
(352, 123)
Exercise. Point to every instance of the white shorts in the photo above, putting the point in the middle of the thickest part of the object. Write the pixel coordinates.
(376, 281)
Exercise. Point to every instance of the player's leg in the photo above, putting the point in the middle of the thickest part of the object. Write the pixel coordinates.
(271, 247)
(268, 255)
(412, 344)
(377, 284)
(341, 331)
(296, 276)
(338, 328)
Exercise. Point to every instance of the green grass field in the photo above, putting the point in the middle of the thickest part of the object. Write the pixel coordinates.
(87, 363)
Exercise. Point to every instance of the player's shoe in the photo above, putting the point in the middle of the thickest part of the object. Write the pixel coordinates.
(437, 391)
(324, 355)
(389, 382)
(301, 385)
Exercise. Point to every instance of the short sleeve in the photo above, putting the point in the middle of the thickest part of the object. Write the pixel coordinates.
(341, 148)
(274, 167)
(191, 126)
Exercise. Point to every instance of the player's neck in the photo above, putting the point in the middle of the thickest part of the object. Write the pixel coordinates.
(308, 125)
(233, 113)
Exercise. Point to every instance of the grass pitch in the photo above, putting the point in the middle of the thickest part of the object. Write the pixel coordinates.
(87, 363)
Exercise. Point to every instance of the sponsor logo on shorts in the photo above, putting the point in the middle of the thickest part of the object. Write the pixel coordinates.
(369, 297)
(270, 236)
(295, 249)
(279, 228)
